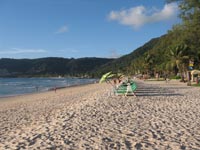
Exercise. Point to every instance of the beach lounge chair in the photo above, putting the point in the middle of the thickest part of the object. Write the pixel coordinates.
(126, 89)
(121, 90)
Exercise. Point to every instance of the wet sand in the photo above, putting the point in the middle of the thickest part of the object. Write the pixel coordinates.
(162, 116)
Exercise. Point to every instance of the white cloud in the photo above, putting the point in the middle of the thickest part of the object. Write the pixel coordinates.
(62, 29)
(138, 16)
(22, 51)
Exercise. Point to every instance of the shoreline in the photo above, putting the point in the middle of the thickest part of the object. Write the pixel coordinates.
(17, 98)
(48, 90)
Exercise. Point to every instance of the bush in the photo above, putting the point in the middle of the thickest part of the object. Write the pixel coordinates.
(176, 77)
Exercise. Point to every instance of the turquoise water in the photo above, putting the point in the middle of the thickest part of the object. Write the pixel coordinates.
(18, 86)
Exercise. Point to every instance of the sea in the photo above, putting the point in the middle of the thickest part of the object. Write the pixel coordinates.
(19, 86)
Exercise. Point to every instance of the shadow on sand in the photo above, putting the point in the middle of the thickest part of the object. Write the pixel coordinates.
(153, 90)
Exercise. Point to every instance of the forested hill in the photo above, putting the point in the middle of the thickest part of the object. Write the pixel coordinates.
(176, 52)
(124, 63)
(51, 66)
(82, 67)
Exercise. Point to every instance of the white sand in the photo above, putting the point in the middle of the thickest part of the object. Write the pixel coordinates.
(162, 116)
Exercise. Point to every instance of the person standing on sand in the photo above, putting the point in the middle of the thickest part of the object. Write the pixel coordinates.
(119, 80)
(129, 90)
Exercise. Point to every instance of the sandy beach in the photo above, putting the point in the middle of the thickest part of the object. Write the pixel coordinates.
(163, 116)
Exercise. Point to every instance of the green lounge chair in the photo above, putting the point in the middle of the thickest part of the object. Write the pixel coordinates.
(122, 89)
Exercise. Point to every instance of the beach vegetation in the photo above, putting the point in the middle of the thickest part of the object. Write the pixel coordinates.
(196, 85)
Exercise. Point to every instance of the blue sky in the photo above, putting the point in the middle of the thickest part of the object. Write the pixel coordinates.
(81, 28)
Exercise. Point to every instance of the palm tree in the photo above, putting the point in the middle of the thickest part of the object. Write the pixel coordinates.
(197, 59)
(148, 62)
(180, 56)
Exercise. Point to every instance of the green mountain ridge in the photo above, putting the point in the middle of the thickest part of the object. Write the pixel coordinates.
(123, 63)
(81, 67)
(53, 66)
(150, 58)
(50, 66)
(170, 54)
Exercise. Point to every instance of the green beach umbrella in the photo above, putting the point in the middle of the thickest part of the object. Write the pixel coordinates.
(110, 76)
(104, 77)
(119, 75)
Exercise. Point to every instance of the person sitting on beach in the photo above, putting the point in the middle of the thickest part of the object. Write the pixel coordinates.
(114, 81)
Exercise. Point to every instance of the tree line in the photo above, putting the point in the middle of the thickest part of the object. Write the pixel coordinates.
(48, 67)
